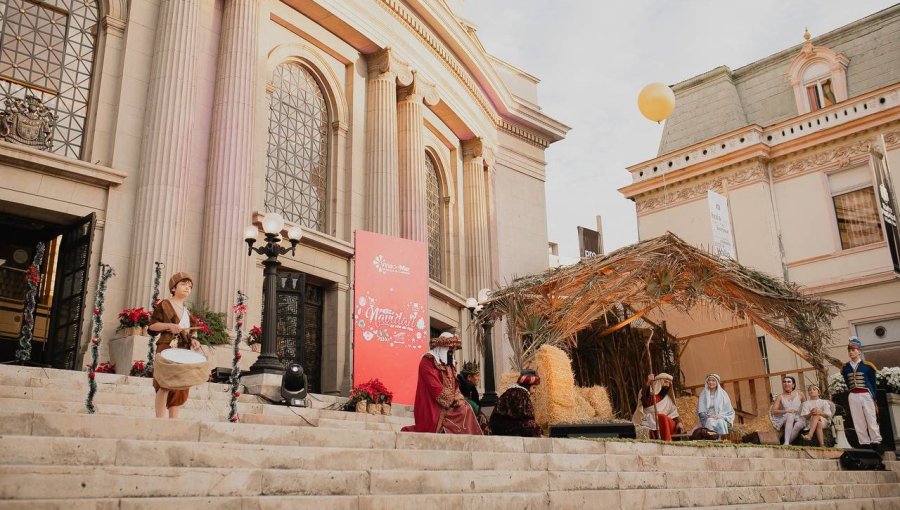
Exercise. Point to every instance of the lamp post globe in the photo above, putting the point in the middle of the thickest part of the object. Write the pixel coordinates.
(273, 223)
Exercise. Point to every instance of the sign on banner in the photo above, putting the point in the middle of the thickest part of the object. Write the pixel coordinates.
(589, 243)
(390, 312)
(887, 202)
(723, 240)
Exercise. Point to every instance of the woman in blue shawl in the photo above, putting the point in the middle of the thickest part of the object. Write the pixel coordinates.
(714, 408)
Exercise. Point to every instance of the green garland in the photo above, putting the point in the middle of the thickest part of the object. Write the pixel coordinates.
(33, 281)
(240, 309)
(106, 272)
(154, 301)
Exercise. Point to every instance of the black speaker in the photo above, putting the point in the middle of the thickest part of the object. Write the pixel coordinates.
(861, 460)
(618, 430)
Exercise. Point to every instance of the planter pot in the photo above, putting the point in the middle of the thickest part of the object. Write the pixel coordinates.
(386, 409)
(361, 406)
(135, 331)
(374, 408)
(123, 351)
(893, 404)
(255, 347)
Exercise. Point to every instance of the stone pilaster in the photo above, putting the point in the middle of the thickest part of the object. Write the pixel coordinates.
(475, 210)
(227, 211)
(411, 148)
(382, 176)
(165, 154)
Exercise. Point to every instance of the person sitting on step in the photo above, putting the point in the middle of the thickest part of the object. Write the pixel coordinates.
(514, 413)
(468, 379)
(785, 412)
(656, 408)
(714, 407)
(817, 413)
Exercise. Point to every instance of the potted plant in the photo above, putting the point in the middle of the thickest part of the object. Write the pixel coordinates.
(139, 369)
(103, 368)
(372, 397)
(210, 324)
(134, 321)
(254, 338)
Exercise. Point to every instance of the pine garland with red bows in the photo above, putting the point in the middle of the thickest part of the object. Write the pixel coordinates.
(240, 310)
(106, 272)
(33, 281)
(154, 302)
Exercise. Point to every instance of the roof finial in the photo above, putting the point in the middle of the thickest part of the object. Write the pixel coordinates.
(806, 35)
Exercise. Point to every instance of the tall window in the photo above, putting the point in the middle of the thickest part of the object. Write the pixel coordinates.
(857, 218)
(296, 172)
(435, 221)
(47, 50)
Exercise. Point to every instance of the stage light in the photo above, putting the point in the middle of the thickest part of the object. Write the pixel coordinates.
(294, 386)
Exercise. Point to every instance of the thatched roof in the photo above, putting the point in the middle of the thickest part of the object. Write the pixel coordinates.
(663, 271)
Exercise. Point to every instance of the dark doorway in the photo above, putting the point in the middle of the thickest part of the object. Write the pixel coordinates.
(61, 296)
(299, 324)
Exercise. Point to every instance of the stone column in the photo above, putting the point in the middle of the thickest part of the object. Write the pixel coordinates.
(475, 211)
(382, 176)
(411, 143)
(165, 153)
(227, 211)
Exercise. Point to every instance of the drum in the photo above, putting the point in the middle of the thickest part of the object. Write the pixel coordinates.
(178, 369)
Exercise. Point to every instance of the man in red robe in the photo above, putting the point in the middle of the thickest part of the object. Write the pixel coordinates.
(439, 406)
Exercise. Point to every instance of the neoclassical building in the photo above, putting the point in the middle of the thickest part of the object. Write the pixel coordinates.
(144, 131)
(792, 141)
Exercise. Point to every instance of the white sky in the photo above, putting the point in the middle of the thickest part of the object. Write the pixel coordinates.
(593, 58)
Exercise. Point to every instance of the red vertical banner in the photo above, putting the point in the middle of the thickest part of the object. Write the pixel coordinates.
(390, 312)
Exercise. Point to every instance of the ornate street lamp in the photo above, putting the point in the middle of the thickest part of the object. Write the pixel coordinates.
(272, 225)
(474, 305)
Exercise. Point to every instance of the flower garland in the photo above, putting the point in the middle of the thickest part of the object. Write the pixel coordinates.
(106, 272)
(154, 301)
(240, 309)
(33, 280)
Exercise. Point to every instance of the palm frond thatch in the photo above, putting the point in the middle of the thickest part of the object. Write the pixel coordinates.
(661, 271)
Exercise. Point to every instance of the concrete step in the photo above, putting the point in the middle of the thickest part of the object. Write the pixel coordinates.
(478, 501)
(575, 471)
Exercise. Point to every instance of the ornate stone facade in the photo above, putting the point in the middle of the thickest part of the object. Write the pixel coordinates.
(28, 122)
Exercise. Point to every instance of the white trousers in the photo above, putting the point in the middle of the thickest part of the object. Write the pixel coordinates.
(865, 421)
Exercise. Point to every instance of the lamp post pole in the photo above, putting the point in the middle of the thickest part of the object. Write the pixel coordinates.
(273, 223)
(474, 305)
(490, 392)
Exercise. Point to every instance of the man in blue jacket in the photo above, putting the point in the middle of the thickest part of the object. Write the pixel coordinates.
(859, 375)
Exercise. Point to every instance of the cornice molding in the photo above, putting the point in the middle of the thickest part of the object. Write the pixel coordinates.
(440, 50)
(832, 158)
(692, 190)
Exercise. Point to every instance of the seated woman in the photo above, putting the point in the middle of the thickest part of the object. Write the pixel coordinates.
(714, 407)
(817, 412)
(656, 408)
(785, 413)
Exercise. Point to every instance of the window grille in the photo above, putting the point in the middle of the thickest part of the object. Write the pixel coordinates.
(435, 221)
(47, 50)
(297, 155)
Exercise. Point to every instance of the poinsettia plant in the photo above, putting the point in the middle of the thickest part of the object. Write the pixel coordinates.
(139, 369)
(255, 336)
(134, 318)
(373, 392)
(104, 368)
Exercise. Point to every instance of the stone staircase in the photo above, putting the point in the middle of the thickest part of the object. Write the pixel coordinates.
(53, 455)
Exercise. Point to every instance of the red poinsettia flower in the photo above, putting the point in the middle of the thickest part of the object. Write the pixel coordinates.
(255, 335)
(134, 318)
(204, 327)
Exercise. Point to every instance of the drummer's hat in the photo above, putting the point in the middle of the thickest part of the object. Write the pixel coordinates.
(178, 277)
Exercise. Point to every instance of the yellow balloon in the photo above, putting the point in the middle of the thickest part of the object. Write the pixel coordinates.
(656, 101)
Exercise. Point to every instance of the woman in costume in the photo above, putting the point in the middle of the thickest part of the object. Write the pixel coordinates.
(785, 413)
(439, 405)
(817, 413)
(173, 322)
(657, 406)
(514, 414)
(714, 407)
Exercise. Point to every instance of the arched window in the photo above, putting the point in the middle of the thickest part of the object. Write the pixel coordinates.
(47, 51)
(818, 76)
(435, 220)
(297, 156)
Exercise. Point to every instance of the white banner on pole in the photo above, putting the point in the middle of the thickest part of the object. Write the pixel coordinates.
(722, 238)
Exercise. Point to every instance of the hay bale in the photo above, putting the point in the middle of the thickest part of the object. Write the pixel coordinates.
(687, 411)
(555, 399)
(598, 398)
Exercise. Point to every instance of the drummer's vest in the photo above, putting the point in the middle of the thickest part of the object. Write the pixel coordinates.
(857, 381)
